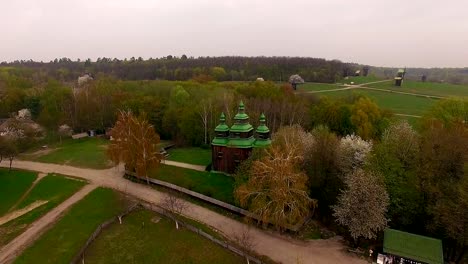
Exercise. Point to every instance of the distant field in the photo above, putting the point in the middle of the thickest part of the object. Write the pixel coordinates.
(54, 189)
(360, 79)
(85, 152)
(67, 236)
(398, 103)
(140, 240)
(439, 89)
(196, 156)
(218, 186)
(306, 87)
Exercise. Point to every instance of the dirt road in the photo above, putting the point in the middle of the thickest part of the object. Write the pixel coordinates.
(278, 248)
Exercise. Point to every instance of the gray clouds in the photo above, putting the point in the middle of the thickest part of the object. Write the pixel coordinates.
(378, 32)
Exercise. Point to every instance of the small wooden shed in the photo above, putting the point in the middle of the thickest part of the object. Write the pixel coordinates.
(403, 247)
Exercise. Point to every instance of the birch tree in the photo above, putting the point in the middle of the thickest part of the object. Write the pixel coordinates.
(134, 142)
(277, 189)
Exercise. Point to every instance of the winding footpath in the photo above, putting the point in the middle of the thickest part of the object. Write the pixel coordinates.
(279, 248)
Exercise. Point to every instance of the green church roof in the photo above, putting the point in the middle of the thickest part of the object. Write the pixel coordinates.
(414, 247)
(238, 132)
(222, 127)
(241, 142)
(262, 143)
(241, 115)
(220, 141)
(241, 127)
(262, 128)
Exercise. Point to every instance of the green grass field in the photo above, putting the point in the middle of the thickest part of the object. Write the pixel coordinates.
(398, 103)
(161, 242)
(54, 189)
(360, 79)
(439, 89)
(307, 87)
(197, 156)
(12, 186)
(67, 236)
(218, 186)
(86, 153)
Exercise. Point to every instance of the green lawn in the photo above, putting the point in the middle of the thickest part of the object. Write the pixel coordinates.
(218, 186)
(440, 89)
(140, 240)
(54, 189)
(63, 241)
(85, 152)
(360, 79)
(306, 87)
(398, 103)
(197, 156)
(12, 186)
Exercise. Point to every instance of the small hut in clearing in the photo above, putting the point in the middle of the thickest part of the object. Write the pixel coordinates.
(402, 247)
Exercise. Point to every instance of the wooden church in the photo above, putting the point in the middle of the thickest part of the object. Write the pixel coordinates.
(233, 145)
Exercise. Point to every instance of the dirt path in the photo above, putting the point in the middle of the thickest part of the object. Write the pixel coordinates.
(15, 214)
(278, 248)
(415, 116)
(9, 252)
(39, 177)
(184, 165)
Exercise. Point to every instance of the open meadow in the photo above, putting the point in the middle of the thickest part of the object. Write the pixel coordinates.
(29, 204)
(70, 233)
(85, 153)
(146, 237)
(397, 103)
(428, 88)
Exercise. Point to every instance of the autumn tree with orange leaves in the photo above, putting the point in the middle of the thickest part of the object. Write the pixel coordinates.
(134, 143)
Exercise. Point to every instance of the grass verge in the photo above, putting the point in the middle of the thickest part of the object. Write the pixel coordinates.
(197, 156)
(218, 186)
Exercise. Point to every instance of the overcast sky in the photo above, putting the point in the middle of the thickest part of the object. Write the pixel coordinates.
(424, 33)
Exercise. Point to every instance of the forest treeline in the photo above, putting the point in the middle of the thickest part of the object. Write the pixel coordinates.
(185, 68)
(226, 68)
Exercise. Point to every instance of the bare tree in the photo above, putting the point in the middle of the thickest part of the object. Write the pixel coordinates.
(174, 204)
(245, 239)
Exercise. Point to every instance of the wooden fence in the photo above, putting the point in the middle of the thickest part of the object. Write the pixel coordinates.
(213, 201)
(221, 243)
(80, 256)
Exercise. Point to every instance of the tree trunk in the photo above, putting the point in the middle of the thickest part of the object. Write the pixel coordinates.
(11, 161)
(462, 254)
(177, 224)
